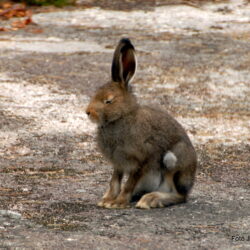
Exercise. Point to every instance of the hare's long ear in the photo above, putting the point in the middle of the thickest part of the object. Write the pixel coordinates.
(124, 62)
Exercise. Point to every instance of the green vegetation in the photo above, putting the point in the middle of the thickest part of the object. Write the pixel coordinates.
(58, 3)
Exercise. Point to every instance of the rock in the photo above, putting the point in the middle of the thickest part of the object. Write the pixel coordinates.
(11, 214)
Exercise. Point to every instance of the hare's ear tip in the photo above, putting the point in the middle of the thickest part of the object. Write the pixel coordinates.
(126, 41)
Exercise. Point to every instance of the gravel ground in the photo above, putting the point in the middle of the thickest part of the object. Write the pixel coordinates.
(194, 61)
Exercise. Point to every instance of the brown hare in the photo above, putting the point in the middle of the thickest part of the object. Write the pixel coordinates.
(142, 142)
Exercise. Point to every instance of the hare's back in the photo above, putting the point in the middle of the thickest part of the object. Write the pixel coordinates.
(159, 126)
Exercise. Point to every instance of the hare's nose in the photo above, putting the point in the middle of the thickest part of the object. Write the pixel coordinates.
(87, 111)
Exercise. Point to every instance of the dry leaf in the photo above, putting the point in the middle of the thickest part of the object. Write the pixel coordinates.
(3, 29)
(17, 10)
(36, 31)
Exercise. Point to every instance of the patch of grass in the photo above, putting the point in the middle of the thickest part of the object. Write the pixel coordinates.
(57, 3)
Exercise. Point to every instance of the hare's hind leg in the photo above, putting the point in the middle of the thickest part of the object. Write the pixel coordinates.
(166, 195)
(178, 180)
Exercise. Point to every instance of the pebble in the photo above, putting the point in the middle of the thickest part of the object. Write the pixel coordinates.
(11, 214)
(81, 190)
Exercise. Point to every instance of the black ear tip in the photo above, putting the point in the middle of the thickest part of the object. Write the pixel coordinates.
(126, 43)
(125, 40)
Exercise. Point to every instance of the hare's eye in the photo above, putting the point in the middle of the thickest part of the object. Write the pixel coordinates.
(108, 101)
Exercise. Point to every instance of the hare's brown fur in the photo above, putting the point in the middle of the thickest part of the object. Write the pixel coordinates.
(143, 142)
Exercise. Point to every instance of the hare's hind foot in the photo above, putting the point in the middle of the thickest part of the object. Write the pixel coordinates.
(159, 200)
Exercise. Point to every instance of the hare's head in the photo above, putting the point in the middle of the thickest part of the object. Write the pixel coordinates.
(114, 99)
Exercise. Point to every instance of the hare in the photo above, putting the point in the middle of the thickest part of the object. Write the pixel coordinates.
(142, 142)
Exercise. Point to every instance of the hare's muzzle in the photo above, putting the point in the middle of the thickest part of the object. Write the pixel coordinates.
(92, 114)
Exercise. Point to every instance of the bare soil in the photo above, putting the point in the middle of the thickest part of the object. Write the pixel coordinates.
(194, 61)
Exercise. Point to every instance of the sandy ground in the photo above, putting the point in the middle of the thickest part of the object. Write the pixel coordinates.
(194, 61)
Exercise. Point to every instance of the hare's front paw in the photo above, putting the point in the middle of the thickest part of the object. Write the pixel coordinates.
(118, 203)
(104, 202)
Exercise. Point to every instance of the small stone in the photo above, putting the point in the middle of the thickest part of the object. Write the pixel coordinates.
(11, 214)
(23, 151)
(81, 190)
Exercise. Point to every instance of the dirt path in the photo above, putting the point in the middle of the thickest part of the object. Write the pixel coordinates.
(193, 61)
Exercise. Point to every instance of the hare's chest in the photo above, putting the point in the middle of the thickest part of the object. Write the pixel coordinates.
(109, 141)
